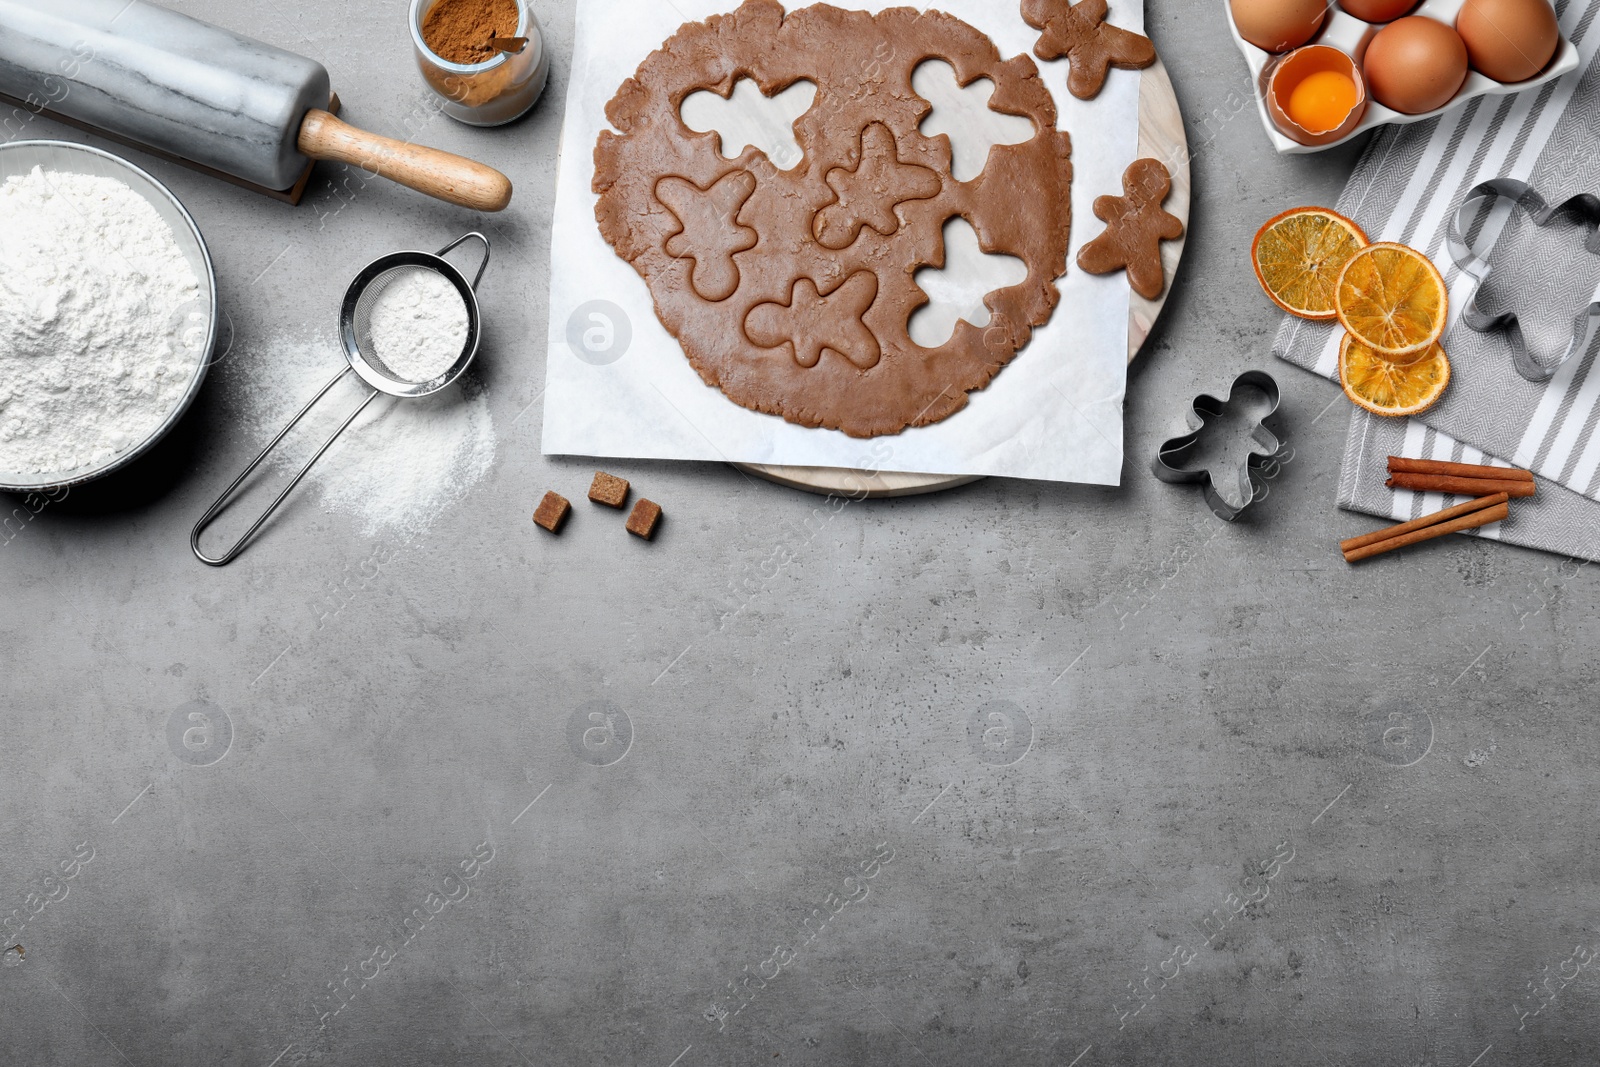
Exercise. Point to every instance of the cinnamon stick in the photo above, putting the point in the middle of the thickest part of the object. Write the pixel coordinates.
(1390, 533)
(1481, 517)
(1402, 465)
(1445, 483)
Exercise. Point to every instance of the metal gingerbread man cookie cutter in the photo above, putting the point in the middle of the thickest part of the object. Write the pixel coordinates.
(1476, 266)
(1245, 480)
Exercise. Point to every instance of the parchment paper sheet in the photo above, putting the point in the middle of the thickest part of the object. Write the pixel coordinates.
(1055, 413)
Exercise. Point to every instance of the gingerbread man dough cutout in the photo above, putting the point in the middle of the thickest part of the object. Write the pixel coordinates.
(812, 324)
(810, 319)
(709, 232)
(1136, 225)
(1080, 34)
(869, 192)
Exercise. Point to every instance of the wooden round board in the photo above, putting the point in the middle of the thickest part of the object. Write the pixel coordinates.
(1161, 136)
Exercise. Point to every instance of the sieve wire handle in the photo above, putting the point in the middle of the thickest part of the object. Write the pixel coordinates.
(227, 495)
(462, 240)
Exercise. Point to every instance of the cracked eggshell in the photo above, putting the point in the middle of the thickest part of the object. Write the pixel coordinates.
(1294, 68)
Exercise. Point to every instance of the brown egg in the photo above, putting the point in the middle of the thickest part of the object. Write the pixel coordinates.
(1278, 25)
(1377, 10)
(1415, 65)
(1509, 40)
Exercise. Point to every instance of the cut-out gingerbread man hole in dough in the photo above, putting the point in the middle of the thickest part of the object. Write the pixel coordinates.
(747, 118)
(813, 323)
(957, 291)
(964, 115)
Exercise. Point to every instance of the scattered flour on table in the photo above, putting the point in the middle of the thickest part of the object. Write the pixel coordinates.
(398, 467)
(92, 283)
(419, 325)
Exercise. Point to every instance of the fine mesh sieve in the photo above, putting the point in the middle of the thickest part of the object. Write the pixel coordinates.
(355, 332)
(355, 319)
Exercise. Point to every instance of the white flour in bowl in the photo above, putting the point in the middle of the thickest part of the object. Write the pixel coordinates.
(93, 288)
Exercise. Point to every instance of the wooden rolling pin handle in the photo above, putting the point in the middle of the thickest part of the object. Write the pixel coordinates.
(448, 177)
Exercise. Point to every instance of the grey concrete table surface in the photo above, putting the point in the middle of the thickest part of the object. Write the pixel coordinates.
(1019, 773)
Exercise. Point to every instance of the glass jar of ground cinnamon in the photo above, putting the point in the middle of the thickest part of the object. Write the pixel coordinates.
(476, 83)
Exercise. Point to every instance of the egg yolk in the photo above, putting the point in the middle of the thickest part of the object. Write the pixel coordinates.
(1322, 100)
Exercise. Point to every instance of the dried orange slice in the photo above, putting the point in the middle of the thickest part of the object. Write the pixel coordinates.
(1298, 256)
(1392, 299)
(1385, 387)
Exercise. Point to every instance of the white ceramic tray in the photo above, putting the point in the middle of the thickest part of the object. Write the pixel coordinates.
(1351, 35)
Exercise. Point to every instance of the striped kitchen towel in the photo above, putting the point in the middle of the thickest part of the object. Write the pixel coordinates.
(1556, 520)
(1406, 188)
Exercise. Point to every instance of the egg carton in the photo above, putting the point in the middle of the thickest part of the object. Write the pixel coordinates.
(1352, 36)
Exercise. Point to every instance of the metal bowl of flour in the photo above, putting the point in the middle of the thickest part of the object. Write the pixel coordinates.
(193, 327)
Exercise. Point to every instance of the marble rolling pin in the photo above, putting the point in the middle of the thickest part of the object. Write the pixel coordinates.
(204, 94)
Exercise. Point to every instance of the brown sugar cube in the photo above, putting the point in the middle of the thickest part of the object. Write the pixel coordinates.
(609, 490)
(646, 514)
(552, 512)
